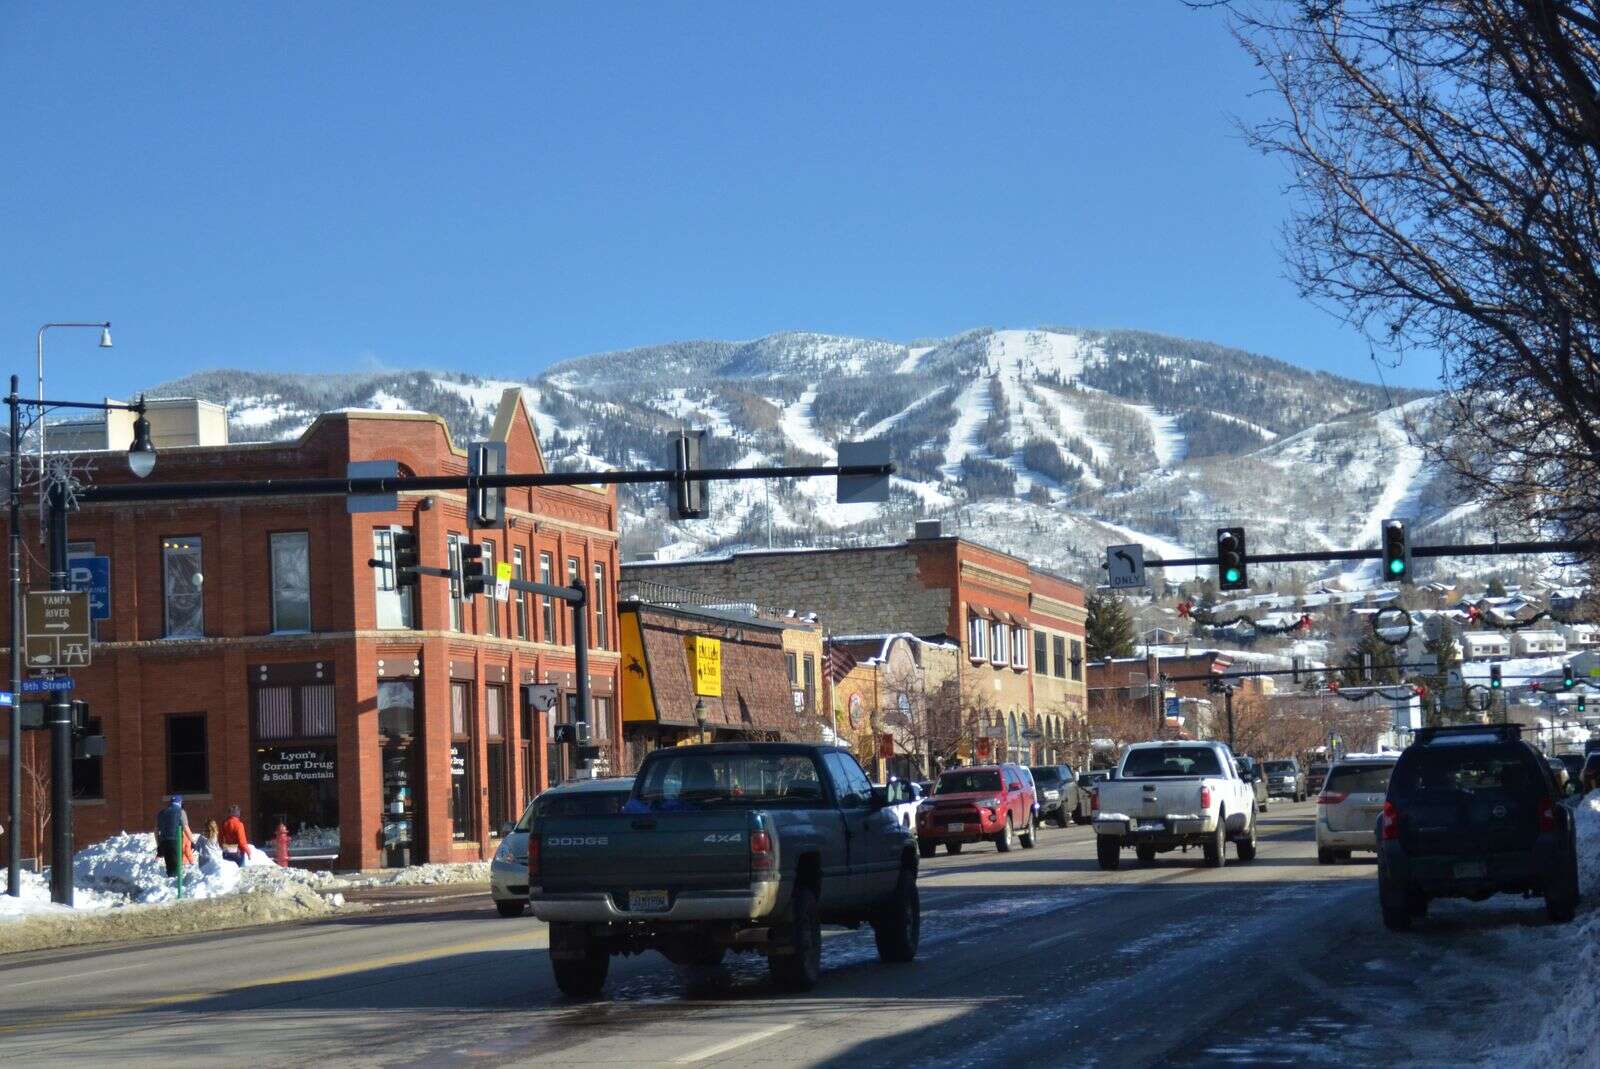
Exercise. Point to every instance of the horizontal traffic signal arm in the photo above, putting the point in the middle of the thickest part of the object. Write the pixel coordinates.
(1304, 670)
(340, 486)
(1468, 549)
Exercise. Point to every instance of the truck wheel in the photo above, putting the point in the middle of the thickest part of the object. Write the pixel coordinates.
(510, 907)
(1324, 856)
(898, 928)
(1215, 849)
(952, 848)
(1108, 852)
(927, 847)
(1561, 902)
(1002, 838)
(1247, 845)
(800, 969)
(1030, 837)
(582, 977)
(1080, 817)
(1062, 819)
(1145, 854)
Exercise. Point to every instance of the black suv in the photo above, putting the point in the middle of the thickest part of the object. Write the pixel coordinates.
(1472, 812)
(1060, 798)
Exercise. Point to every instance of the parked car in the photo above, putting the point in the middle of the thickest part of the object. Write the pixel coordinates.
(975, 804)
(1471, 812)
(1285, 780)
(1349, 806)
(508, 871)
(906, 812)
(1092, 778)
(748, 847)
(1316, 776)
(1251, 773)
(1060, 797)
(1168, 795)
(1589, 778)
(1574, 763)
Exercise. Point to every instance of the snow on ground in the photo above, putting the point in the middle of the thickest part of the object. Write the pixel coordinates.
(1157, 547)
(1407, 477)
(1266, 435)
(1170, 444)
(482, 394)
(1072, 423)
(797, 426)
(701, 412)
(913, 358)
(972, 407)
(883, 425)
(258, 411)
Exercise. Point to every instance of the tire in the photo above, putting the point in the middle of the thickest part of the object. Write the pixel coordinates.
(1324, 857)
(1003, 837)
(802, 968)
(1145, 854)
(1247, 845)
(1341, 856)
(926, 849)
(1216, 850)
(1417, 906)
(1108, 852)
(1079, 817)
(1561, 905)
(510, 907)
(953, 848)
(1396, 916)
(1062, 819)
(582, 977)
(898, 928)
(1030, 837)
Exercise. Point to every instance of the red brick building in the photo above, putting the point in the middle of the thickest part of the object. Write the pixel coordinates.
(252, 659)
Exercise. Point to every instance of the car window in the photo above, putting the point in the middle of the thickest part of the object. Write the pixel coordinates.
(1171, 761)
(1047, 776)
(854, 791)
(529, 815)
(968, 782)
(697, 780)
(860, 785)
(584, 804)
(1466, 769)
(1359, 779)
(1280, 767)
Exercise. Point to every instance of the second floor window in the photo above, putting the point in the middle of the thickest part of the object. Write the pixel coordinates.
(977, 637)
(490, 606)
(1041, 653)
(602, 637)
(394, 604)
(999, 640)
(518, 597)
(453, 547)
(181, 574)
(547, 608)
(1019, 648)
(1060, 646)
(291, 581)
(1077, 660)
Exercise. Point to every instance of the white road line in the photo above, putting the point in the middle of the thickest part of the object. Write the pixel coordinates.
(74, 976)
(728, 1046)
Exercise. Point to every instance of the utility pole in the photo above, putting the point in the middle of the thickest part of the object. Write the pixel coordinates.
(60, 719)
(13, 814)
(1227, 698)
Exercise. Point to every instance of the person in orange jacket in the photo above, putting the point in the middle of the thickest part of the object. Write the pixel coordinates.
(235, 843)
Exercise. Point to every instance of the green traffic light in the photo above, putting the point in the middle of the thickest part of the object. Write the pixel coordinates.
(1396, 567)
(1232, 575)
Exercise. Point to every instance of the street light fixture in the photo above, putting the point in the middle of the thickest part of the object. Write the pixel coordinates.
(700, 716)
(142, 453)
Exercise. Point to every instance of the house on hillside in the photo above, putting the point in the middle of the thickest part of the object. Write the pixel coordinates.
(1538, 643)
(1485, 646)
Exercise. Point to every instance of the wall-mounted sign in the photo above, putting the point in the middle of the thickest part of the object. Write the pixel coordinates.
(458, 762)
(296, 766)
(705, 663)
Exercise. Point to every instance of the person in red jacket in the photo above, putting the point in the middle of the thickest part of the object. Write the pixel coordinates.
(235, 843)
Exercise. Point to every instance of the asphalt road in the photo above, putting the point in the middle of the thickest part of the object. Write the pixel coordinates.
(1030, 958)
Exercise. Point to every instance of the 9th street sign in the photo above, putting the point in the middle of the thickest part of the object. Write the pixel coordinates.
(57, 628)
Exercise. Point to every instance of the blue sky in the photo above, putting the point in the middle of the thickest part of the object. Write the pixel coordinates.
(348, 187)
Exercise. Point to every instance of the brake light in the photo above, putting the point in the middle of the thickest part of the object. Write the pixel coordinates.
(1094, 800)
(1331, 797)
(1547, 814)
(760, 851)
(1205, 797)
(1390, 821)
(533, 861)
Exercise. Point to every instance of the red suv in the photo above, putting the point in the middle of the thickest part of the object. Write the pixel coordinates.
(969, 805)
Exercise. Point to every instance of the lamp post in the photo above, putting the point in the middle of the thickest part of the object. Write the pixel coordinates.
(141, 461)
(105, 343)
(700, 717)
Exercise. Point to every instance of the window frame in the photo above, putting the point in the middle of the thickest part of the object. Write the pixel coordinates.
(977, 637)
(403, 598)
(519, 571)
(204, 753)
(491, 606)
(1076, 661)
(1019, 648)
(999, 642)
(272, 578)
(1058, 651)
(547, 614)
(1041, 652)
(170, 544)
(453, 540)
(601, 632)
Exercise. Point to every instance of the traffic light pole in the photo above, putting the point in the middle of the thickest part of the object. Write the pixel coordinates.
(60, 721)
(14, 757)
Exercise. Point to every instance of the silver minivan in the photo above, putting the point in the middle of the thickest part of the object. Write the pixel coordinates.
(1349, 806)
(508, 872)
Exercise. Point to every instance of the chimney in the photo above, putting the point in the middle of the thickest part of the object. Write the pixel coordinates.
(928, 529)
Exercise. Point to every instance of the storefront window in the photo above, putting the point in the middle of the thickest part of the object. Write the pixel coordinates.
(463, 784)
(296, 767)
(494, 709)
(397, 718)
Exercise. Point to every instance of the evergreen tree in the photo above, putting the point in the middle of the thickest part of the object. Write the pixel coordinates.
(1497, 589)
(1109, 629)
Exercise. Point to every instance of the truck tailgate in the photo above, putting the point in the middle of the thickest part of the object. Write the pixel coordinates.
(681, 851)
(1151, 798)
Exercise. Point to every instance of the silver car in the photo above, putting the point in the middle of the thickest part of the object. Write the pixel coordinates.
(1349, 806)
(508, 872)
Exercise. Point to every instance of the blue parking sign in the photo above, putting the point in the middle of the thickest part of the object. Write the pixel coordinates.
(92, 575)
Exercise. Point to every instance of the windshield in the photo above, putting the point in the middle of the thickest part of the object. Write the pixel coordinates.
(1280, 768)
(1461, 769)
(572, 804)
(690, 781)
(1171, 761)
(1359, 779)
(968, 782)
(1048, 776)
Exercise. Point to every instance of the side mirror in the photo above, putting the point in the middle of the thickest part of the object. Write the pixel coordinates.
(880, 797)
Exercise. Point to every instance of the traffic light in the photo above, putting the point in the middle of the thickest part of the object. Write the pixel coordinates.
(1396, 552)
(1567, 680)
(688, 500)
(486, 506)
(1583, 706)
(404, 557)
(1495, 682)
(474, 565)
(1233, 569)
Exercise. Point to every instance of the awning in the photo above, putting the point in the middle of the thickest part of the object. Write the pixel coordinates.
(979, 610)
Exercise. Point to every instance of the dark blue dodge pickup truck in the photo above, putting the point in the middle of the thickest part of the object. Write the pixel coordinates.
(746, 847)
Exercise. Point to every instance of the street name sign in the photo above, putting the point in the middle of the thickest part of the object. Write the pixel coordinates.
(53, 685)
(56, 629)
(1125, 567)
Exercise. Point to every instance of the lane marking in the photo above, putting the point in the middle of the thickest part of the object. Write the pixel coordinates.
(75, 975)
(731, 1045)
(326, 972)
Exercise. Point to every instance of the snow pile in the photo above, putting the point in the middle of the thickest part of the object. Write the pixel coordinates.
(35, 899)
(1571, 1028)
(470, 872)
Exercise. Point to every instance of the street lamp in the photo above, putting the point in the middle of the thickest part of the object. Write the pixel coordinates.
(142, 453)
(105, 343)
(700, 716)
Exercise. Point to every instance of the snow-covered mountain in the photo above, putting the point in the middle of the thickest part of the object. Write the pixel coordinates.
(1051, 442)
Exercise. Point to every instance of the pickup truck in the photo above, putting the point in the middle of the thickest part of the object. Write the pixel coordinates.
(1171, 795)
(744, 847)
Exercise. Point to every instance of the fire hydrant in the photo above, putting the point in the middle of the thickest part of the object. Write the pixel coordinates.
(280, 846)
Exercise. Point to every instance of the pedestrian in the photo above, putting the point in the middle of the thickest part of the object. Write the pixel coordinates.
(234, 842)
(172, 833)
(211, 834)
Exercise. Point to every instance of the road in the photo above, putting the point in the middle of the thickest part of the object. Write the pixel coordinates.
(1031, 958)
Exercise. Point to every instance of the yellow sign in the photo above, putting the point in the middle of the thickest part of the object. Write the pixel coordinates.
(705, 659)
(638, 700)
(502, 572)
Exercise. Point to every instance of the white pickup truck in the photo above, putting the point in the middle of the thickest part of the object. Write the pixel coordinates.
(1168, 795)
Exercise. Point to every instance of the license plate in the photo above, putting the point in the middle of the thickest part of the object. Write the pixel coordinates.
(955, 827)
(647, 901)
(1471, 870)
(1156, 826)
